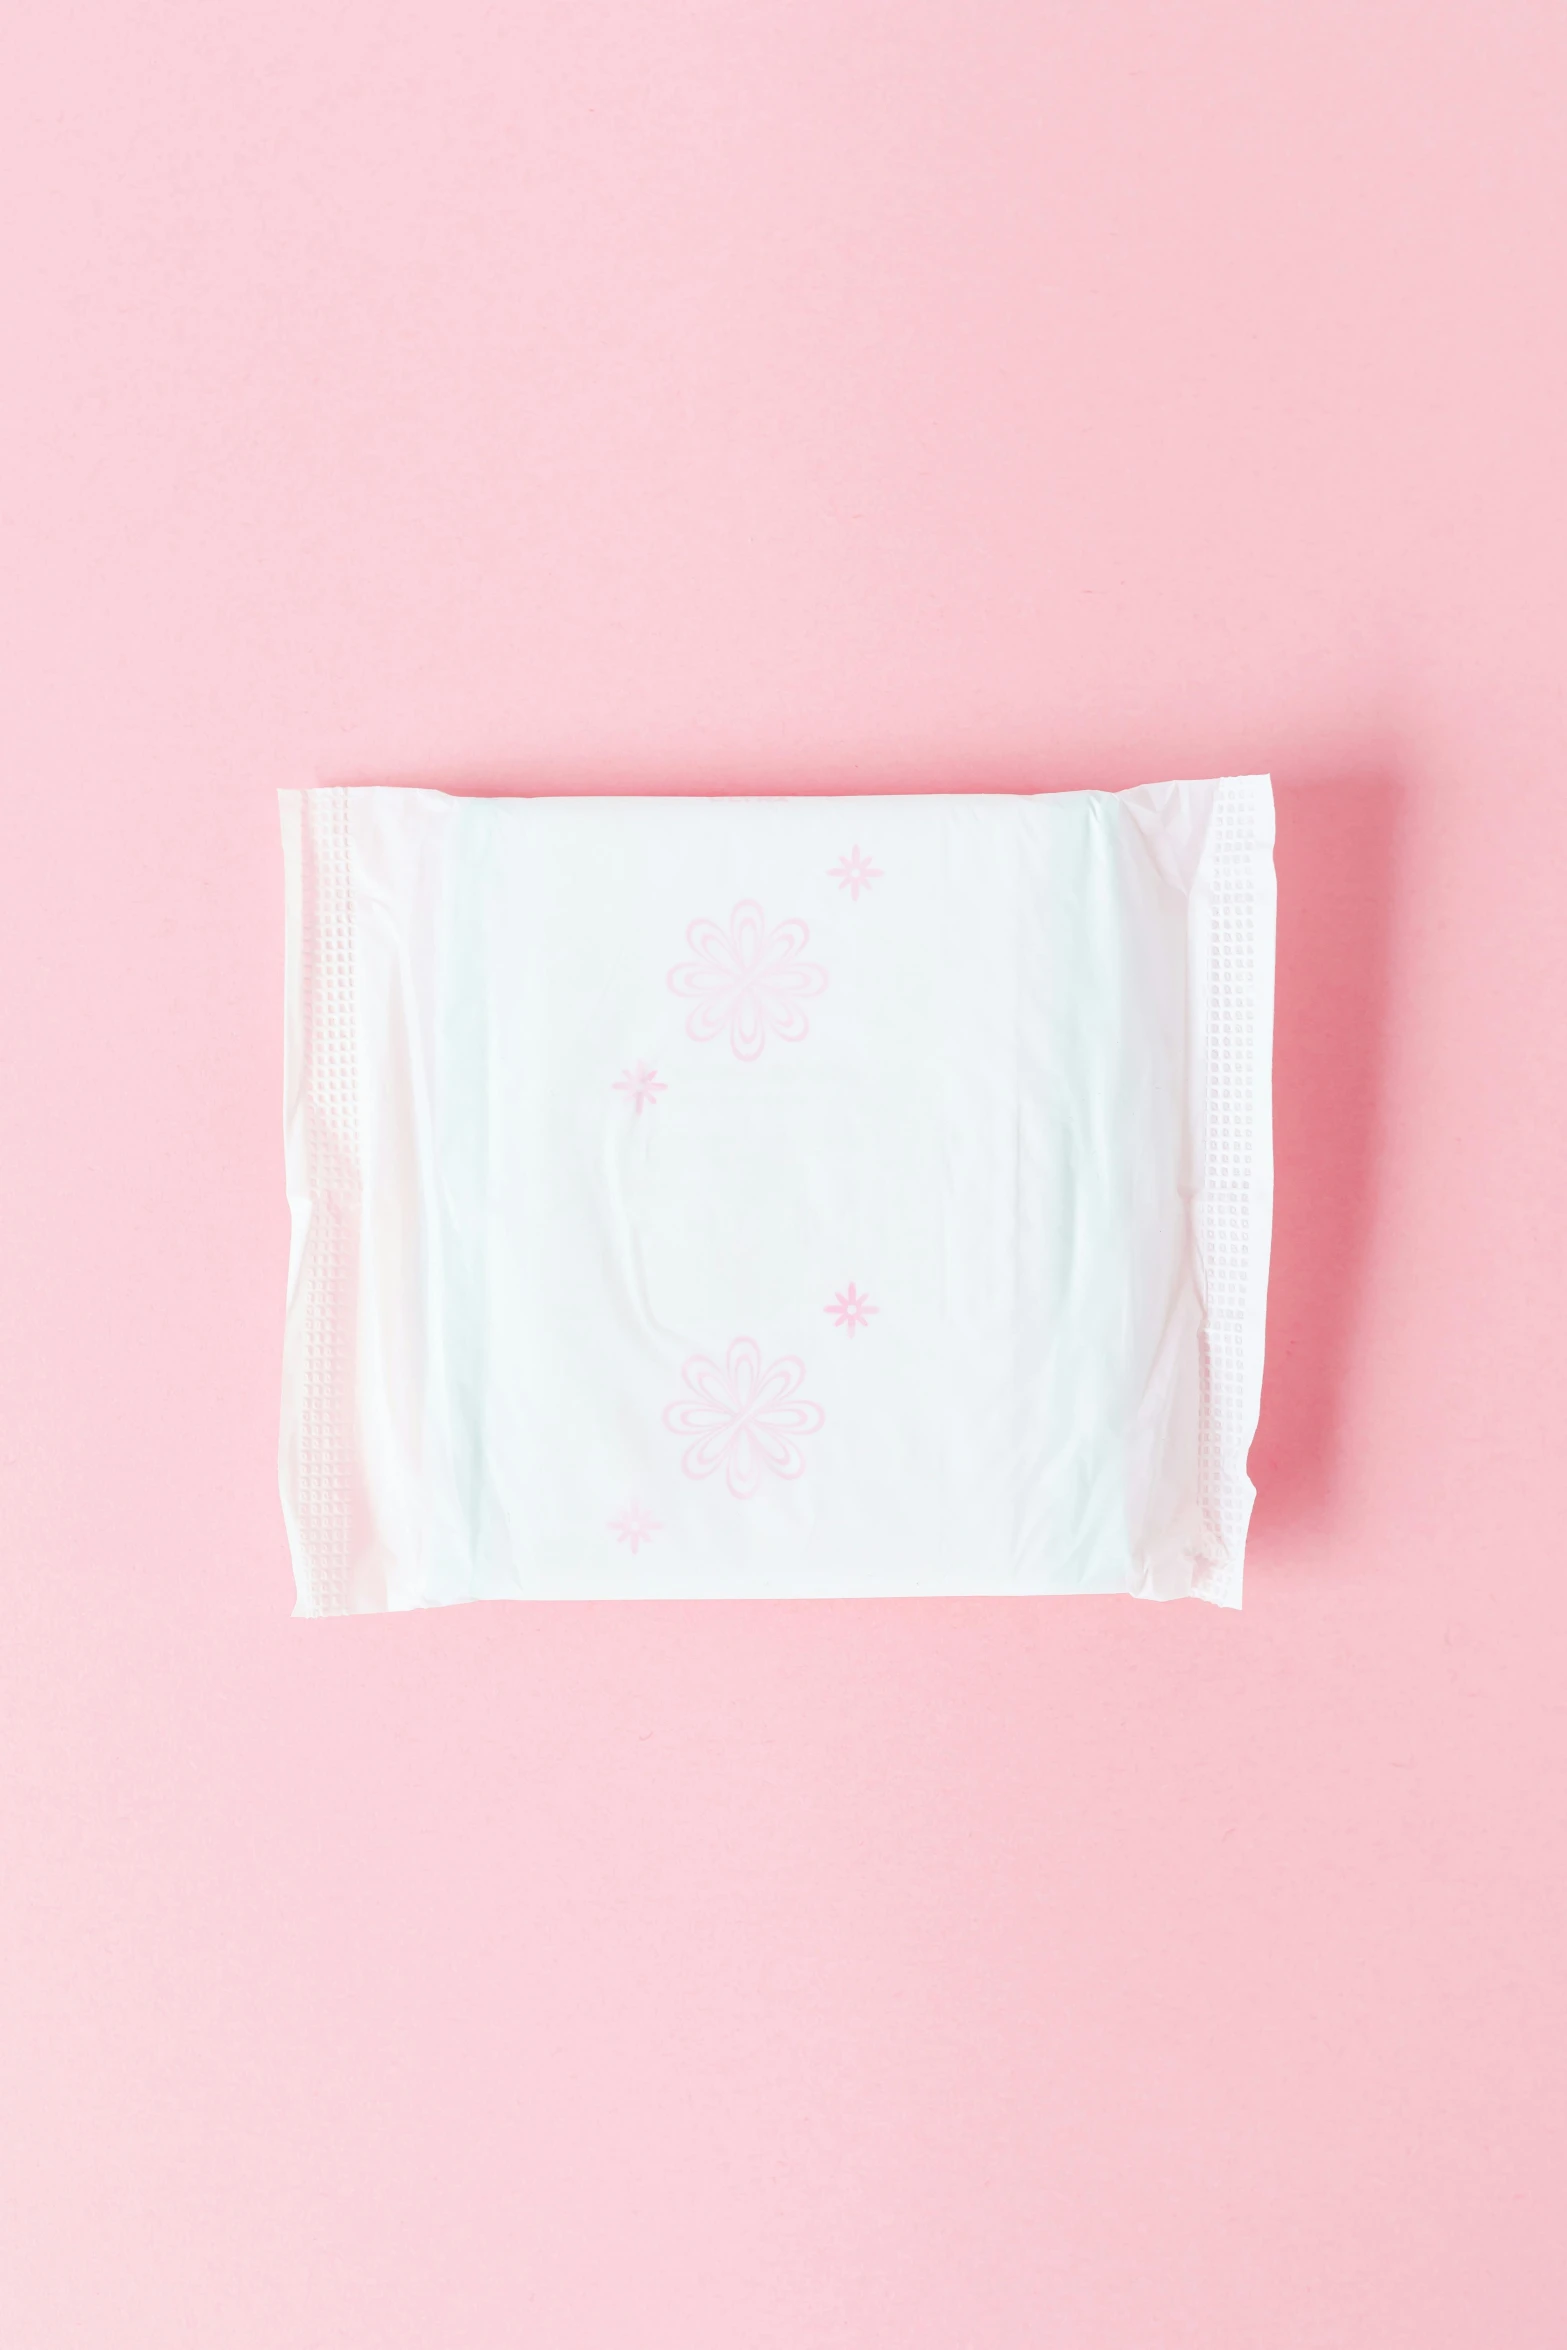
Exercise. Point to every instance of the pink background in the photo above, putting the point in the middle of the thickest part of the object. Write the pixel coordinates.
(752, 396)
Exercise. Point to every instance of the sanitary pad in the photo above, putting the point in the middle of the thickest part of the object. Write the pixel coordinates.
(764, 1197)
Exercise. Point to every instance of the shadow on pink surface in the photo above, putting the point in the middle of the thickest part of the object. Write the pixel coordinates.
(1337, 860)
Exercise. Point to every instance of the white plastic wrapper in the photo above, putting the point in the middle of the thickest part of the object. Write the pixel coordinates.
(771, 1197)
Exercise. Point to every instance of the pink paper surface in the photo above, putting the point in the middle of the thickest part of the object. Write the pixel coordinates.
(755, 398)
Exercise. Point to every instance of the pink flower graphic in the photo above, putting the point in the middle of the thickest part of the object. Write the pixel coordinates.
(748, 979)
(642, 1083)
(745, 1419)
(634, 1525)
(851, 1310)
(855, 872)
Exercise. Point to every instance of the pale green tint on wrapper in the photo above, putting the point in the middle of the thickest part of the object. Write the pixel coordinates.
(556, 1330)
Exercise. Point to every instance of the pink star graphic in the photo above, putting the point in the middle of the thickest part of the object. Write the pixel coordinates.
(854, 872)
(850, 1310)
(642, 1083)
(634, 1525)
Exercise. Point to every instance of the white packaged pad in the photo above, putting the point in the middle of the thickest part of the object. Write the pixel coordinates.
(776, 1196)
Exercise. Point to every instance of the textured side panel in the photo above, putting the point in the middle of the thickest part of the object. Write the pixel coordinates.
(325, 1436)
(1235, 1203)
